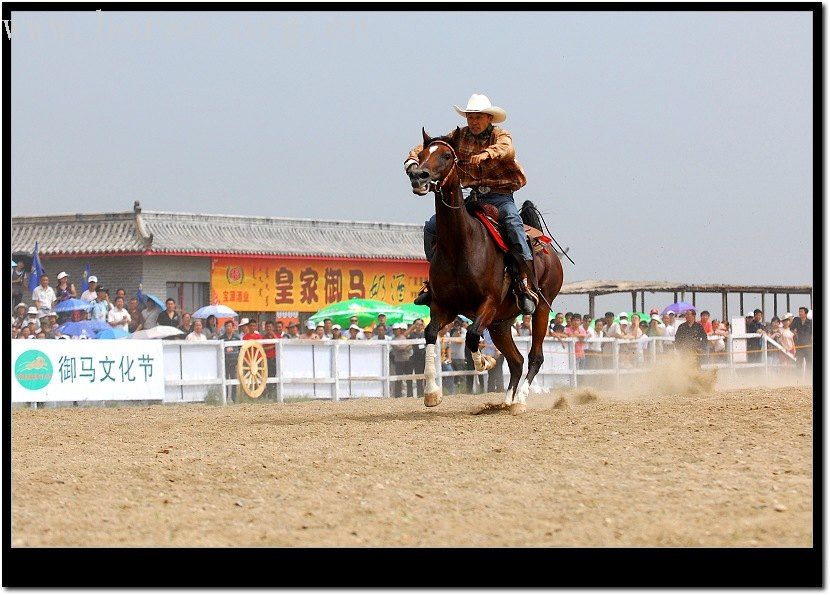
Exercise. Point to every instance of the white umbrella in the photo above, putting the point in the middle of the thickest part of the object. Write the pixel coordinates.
(218, 310)
(157, 332)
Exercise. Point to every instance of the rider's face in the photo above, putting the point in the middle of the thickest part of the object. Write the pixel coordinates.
(478, 121)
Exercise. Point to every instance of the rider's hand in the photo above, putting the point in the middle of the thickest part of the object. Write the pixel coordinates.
(476, 159)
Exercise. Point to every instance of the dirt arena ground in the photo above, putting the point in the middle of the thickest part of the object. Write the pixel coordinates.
(728, 467)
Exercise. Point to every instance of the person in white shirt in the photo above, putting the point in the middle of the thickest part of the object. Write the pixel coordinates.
(674, 321)
(197, 334)
(656, 328)
(353, 321)
(44, 296)
(90, 294)
(593, 350)
(670, 329)
(619, 330)
(31, 318)
(118, 317)
(355, 333)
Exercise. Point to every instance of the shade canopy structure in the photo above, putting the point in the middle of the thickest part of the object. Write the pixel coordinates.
(780, 294)
(366, 310)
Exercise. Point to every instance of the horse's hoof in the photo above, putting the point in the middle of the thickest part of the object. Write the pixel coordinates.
(432, 399)
(517, 408)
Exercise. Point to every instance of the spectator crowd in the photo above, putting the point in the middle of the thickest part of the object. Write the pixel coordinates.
(705, 337)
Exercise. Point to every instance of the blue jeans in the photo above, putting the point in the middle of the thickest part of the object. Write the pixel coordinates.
(508, 215)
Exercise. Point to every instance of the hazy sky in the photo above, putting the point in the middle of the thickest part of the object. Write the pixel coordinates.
(661, 146)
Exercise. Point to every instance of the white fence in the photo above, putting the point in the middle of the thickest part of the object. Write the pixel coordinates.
(335, 370)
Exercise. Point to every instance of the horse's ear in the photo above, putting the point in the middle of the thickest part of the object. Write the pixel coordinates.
(426, 136)
(455, 138)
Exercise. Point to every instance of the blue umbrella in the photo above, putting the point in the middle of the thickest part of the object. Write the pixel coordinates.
(155, 300)
(678, 308)
(217, 310)
(73, 304)
(113, 333)
(89, 328)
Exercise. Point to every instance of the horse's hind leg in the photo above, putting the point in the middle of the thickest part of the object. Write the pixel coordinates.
(484, 317)
(503, 340)
(535, 358)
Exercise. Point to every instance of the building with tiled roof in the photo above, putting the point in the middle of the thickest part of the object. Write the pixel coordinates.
(252, 264)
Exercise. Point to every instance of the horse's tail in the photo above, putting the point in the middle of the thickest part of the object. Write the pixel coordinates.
(531, 215)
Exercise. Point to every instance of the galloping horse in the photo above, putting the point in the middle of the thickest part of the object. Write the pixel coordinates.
(468, 275)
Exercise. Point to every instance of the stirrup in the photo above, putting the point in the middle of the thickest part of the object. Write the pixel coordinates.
(528, 300)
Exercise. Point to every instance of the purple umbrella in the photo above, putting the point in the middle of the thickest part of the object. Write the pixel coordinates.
(679, 308)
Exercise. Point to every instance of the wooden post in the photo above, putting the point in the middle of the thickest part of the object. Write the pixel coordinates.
(775, 304)
(763, 299)
(742, 312)
(724, 307)
(675, 297)
(694, 299)
(683, 296)
(643, 301)
(788, 303)
(591, 304)
(633, 301)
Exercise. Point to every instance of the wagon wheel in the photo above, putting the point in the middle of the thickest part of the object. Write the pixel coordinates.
(251, 369)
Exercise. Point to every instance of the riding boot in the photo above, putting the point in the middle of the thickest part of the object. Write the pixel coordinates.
(528, 286)
(424, 297)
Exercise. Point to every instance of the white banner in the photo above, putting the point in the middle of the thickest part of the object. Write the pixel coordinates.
(77, 370)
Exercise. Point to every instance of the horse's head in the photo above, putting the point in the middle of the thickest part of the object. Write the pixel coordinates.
(435, 161)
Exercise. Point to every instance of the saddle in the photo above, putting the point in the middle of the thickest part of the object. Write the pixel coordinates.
(489, 216)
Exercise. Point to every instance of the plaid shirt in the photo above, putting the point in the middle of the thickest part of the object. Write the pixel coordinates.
(501, 172)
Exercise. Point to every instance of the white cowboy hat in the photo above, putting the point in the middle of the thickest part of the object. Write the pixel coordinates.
(480, 103)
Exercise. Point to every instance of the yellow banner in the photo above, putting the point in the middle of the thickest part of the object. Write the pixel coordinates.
(307, 285)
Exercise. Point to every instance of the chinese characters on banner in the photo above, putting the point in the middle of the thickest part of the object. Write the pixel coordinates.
(87, 370)
(307, 285)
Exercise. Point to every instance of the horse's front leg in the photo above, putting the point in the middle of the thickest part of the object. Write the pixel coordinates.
(432, 392)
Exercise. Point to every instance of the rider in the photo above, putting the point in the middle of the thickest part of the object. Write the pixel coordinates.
(488, 167)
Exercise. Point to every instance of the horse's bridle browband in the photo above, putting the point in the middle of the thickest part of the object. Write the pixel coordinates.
(438, 188)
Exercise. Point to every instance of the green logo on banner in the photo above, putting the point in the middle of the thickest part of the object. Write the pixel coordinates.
(33, 369)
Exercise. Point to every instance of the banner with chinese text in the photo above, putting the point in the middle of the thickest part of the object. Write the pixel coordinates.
(307, 285)
(94, 370)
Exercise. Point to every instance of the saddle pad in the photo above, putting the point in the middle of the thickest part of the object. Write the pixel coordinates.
(494, 232)
(538, 240)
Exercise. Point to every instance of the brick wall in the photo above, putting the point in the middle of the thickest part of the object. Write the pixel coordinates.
(112, 271)
(158, 270)
(128, 271)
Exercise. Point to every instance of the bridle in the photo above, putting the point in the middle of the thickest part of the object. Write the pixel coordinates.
(439, 188)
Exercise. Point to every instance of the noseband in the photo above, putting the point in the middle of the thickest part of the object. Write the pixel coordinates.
(438, 188)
